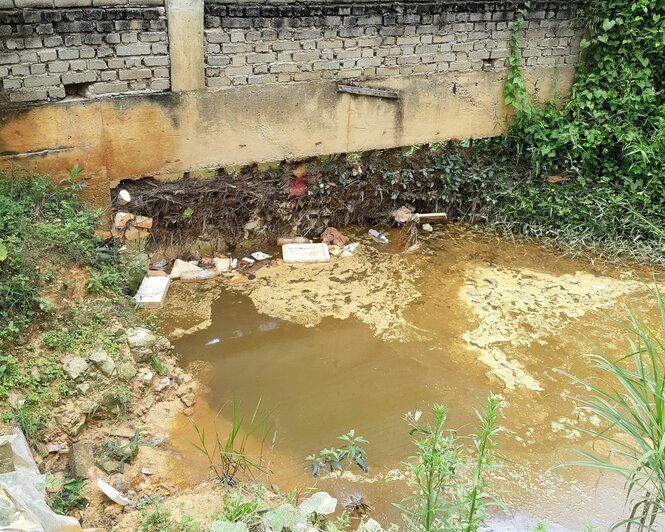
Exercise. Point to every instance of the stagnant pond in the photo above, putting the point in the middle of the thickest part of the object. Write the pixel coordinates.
(360, 341)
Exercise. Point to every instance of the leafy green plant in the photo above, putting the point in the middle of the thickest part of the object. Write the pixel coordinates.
(332, 459)
(107, 279)
(157, 365)
(227, 455)
(630, 400)
(238, 509)
(69, 496)
(123, 453)
(449, 492)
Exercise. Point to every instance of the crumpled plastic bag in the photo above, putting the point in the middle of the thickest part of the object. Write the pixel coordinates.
(22, 495)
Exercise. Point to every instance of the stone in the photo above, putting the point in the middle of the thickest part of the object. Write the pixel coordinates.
(146, 378)
(163, 383)
(103, 361)
(75, 367)
(189, 399)
(121, 219)
(6, 457)
(141, 343)
(80, 461)
(108, 465)
(126, 371)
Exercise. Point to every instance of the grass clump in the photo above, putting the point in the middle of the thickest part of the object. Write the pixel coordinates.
(630, 400)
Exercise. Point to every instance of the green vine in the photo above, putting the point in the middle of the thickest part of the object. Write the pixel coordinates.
(514, 89)
(605, 148)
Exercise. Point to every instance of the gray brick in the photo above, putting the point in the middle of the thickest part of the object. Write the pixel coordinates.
(156, 61)
(325, 65)
(96, 64)
(28, 95)
(217, 60)
(133, 49)
(161, 73)
(129, 37)
(116, 63)
(109, 88)
(87, 53)
(112, 38)
(108, 75)
(73, 3)
(152, 36)
(160, 48)
(236, 48)
(41, 81)
(160, 85)
(78, 64)
(58, 67)
(11, 84)
(34, 3)
(79, 77)
(262, 78)
(56, 93)
(217, 36)
(37, 68)
(33, 42)
(68, 53)
(4, 71)
(51, 42)
(20, 70)
(283, 67)
(285, 46)
(139, 73)
(15, 44)
(47, 55)
(261, 58)
(8, 58)
(238, 70)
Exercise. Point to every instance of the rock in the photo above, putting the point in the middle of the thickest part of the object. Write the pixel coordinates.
(163, 383)
(55, 448)
(143, 222)
(103, 361)
(163, 345)
(428, 228)
(146, 378)
(145, 471)
(75, 367)
(6, 457)
(332, 236)
(136, 233)
(80, 461)
(126, 371)
(78, 425)
(122, 219)
(120, 483)
(133, 265)
(403, 215)
(84, 388)
(108, 465)
(141, 342)
(35, 375)
(188, 399)
(110, 400)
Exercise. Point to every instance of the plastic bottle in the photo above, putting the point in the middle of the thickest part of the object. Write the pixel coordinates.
(378, 236)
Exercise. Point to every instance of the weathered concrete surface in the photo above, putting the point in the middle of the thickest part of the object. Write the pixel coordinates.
(186, 44)
(147, 135)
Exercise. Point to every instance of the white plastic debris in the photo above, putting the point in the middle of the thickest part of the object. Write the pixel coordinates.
(305, 253)
(22, 494)
(201, 275)
(152, 291)
(347, 251)
(113, 493)
(428, 228)
(222, 264)
(124, 197)
(248, 260)
(259, 255)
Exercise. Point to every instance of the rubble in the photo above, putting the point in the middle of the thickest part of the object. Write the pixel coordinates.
(180, 267)
(153, 290)
(103, 361)
(332, 236)
(75, 367)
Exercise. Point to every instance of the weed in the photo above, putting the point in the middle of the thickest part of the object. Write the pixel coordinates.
(157, 365)
(237, 509)
(443, 499)
(123, 453)
(332, 459)
(69, 496)
(228, 456)
(633, 411)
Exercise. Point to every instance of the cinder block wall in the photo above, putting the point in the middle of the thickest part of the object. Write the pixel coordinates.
(50, 49)
(280, 42)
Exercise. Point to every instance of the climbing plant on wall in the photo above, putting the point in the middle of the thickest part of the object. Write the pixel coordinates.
(599, 161)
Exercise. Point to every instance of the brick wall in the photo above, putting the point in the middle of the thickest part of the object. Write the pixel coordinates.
(53, 48)
(248, 42)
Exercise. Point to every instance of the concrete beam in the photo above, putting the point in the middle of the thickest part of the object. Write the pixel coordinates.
(185, 23)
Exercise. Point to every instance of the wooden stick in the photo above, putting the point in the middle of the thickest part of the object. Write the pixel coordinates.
(366, 91)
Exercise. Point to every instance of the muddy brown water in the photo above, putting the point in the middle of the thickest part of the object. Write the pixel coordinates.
(358, 342)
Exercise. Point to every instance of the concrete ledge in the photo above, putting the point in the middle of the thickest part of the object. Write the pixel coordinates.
(133, 136)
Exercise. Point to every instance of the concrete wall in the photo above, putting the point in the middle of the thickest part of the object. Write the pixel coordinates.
(447, 76)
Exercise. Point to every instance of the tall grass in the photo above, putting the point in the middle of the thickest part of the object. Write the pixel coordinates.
(450, 493)
(228, 455)
(631, 402)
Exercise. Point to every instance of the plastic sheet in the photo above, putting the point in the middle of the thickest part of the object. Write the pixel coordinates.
(22, 495)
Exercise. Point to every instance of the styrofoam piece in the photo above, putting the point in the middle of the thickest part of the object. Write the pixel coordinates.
(305, 253)
(113, 493)
(222, 264)
(180, 266)
(152, 291)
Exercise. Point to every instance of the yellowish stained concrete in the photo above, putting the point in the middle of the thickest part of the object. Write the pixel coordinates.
(150, 135)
